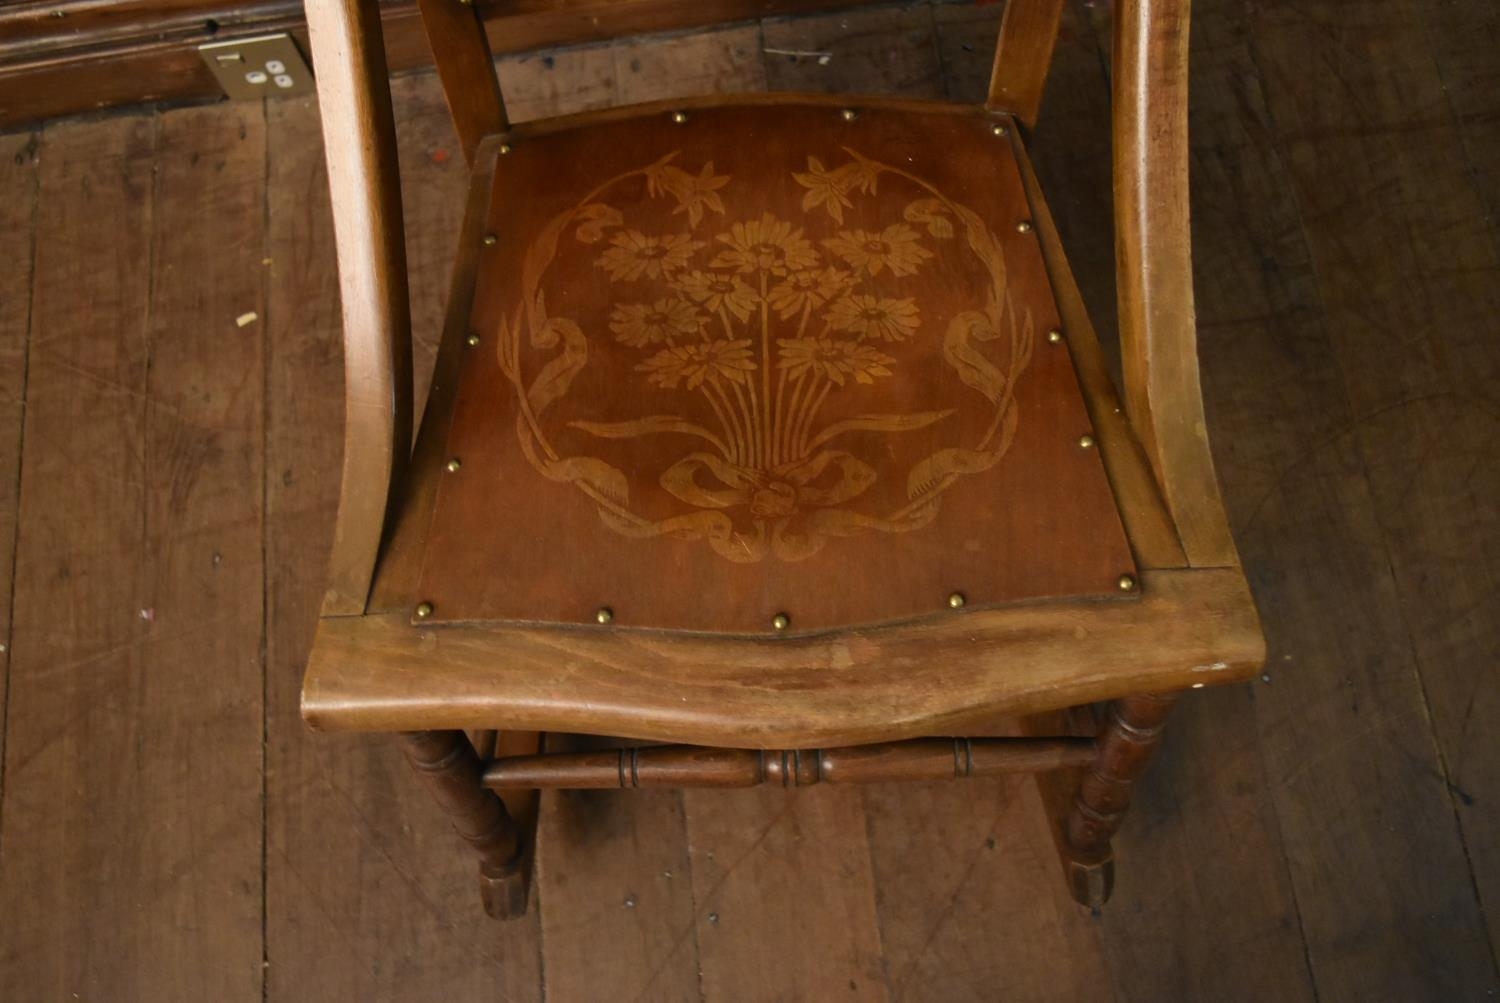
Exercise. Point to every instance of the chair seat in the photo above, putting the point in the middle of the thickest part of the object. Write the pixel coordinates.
(761, 367)
(771, 360)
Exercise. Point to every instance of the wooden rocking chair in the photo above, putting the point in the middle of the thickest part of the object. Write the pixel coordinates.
(770, 434)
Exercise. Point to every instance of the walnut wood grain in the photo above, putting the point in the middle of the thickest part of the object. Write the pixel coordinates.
(360, 138)
(1023, 55)
(1153, 247)
(694, 766)
(844, 688)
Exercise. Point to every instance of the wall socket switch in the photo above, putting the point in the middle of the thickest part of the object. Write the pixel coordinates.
(259, 67)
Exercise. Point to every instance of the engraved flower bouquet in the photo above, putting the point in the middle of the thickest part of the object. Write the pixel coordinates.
(765, 325)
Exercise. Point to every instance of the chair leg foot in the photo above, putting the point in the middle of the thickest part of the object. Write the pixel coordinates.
(504, 891)
(447, 764)
(1086, 807)
(1090, 882)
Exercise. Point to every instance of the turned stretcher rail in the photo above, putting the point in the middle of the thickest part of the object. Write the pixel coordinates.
(697, 766)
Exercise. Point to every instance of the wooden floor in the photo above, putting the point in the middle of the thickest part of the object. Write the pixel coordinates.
(169, 406)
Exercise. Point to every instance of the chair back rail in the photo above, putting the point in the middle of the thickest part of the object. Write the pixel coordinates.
(467, 70)
(359, 135)
(1153, 252)
(1154, 270)
(1023, 55)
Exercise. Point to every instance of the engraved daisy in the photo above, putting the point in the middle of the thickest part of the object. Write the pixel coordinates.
(872, 317)
(715, 291)
(897, 247)
(809, 288)
(836, 360)
(766, 245)
(632, 254)
(642, 324)
(703, 361)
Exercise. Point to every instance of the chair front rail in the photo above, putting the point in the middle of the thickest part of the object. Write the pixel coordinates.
(697, 766)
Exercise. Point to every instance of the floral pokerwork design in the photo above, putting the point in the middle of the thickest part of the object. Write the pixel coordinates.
(763, 321)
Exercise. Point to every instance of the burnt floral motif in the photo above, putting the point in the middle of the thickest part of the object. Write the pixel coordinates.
(765, 246)
(898, 248)
(874, 317)
(633, 255)
(719, 291)
(832, 360)
(710, 362)
(765, 324)
(642, 324)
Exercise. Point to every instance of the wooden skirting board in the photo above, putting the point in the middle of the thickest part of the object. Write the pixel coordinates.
(70, 56)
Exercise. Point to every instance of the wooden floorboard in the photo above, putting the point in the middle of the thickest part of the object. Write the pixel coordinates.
(1457, 638)
(949, 861)
(878, 50)
(1404, 250)
(133, 750)
(615, 893)
(1326, 833)
(18, 203)
(785, 895)
(1405, 272)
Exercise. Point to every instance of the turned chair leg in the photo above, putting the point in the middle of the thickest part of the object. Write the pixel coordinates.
(447, 764)
(1087, 806)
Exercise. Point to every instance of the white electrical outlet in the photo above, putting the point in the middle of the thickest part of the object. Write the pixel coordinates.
(263, 66)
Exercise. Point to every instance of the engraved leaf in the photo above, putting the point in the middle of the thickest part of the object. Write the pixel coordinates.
(654, 176)
(597, 217)
(693, 193)
(880, 423)
(946, 463)
(966, 359)
(557, 375)
(861, 174)
(932, 214)
(823, 188)
(651, 425)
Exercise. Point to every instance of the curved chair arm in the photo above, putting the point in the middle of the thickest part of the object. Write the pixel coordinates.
(360, 139)
(1153, 254)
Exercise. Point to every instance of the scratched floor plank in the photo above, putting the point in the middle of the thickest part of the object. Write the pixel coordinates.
(949, 860)
(18, 204)
(1408, 272)
(130, 858)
